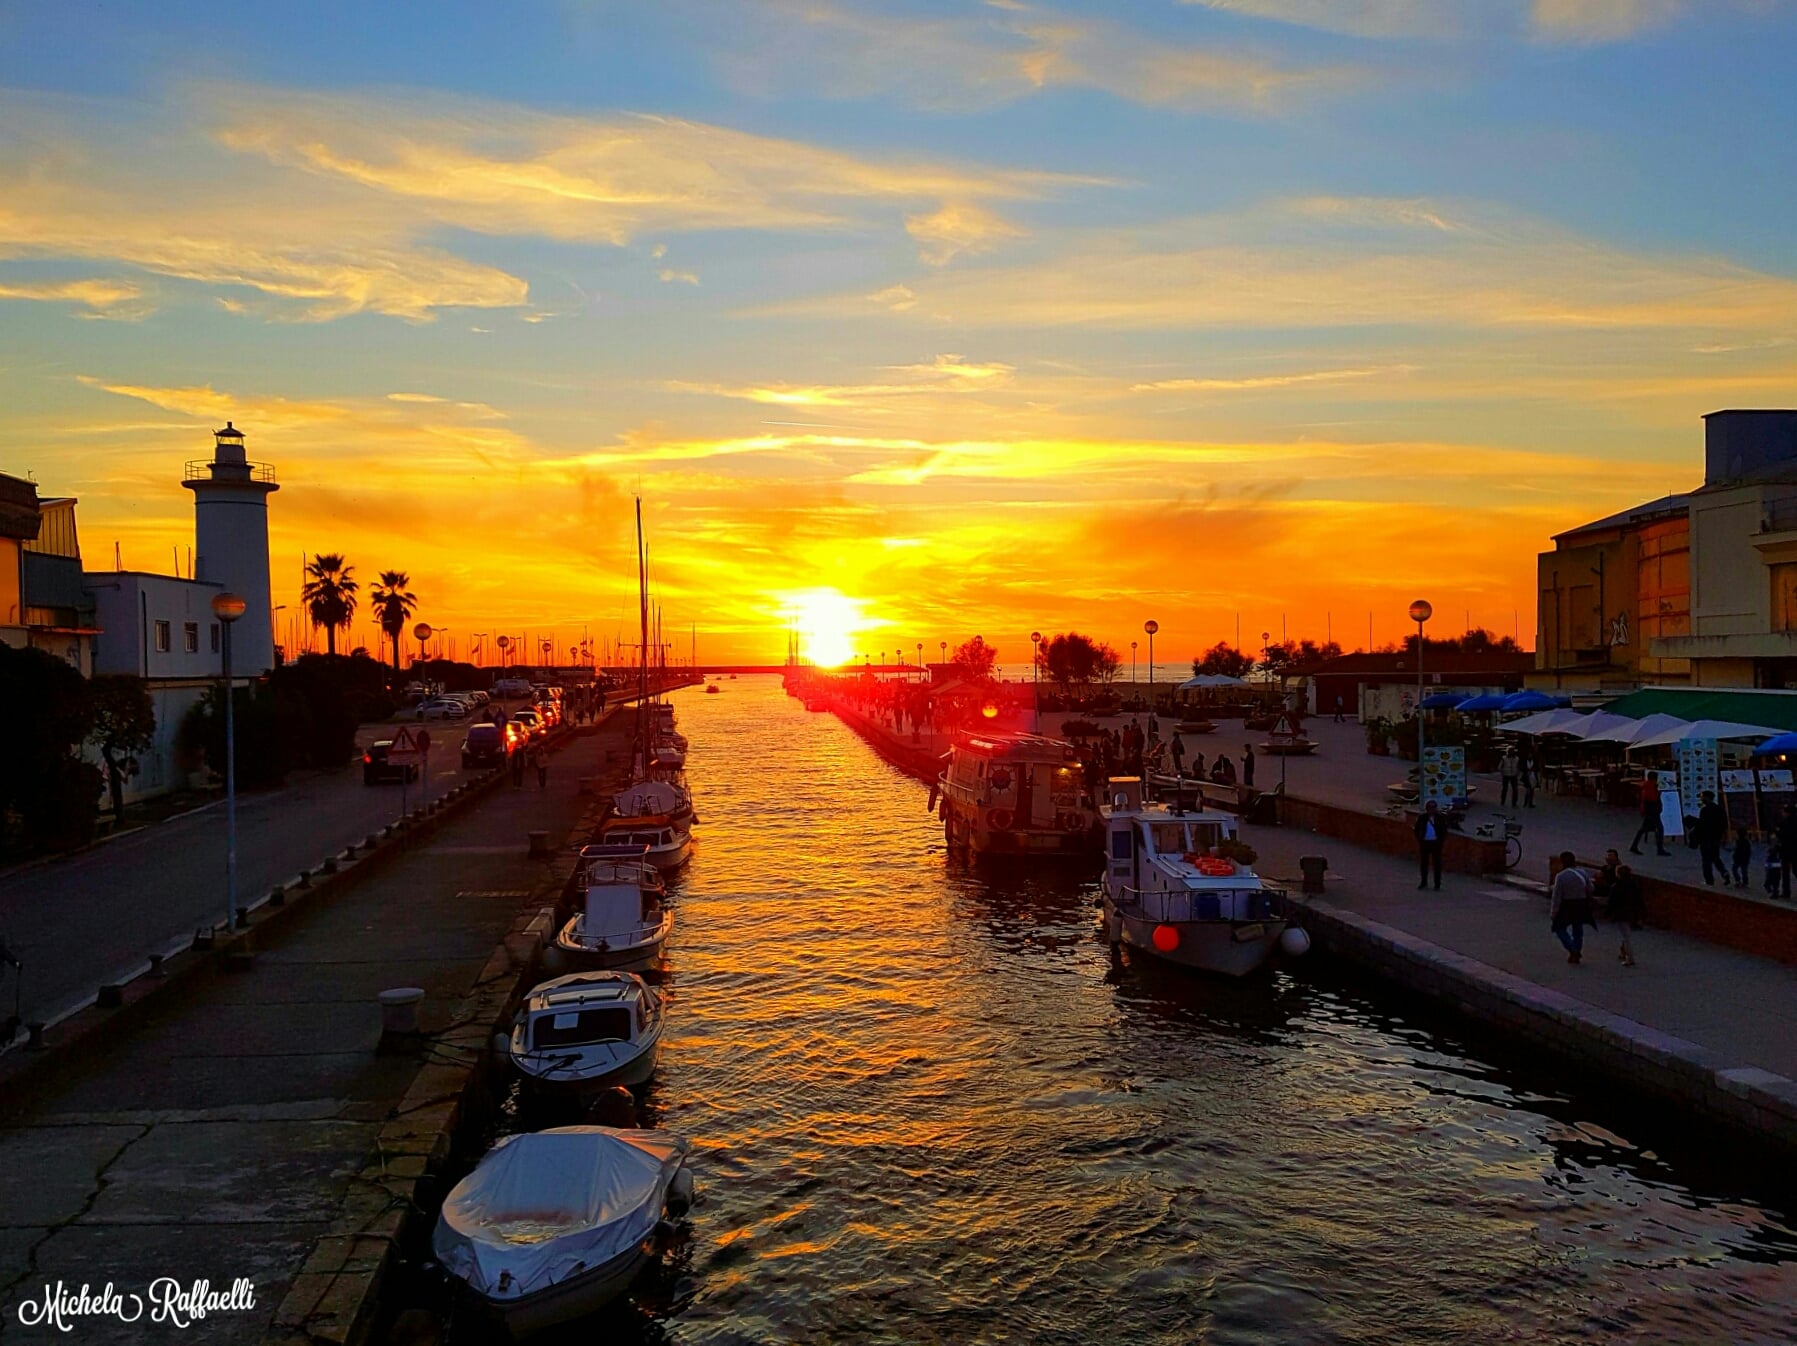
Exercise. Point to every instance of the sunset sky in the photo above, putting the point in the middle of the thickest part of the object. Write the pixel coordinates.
(920, 320)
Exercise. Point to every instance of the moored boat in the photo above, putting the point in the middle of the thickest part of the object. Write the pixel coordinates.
(1180, 886)
(623, 921)
(589, 1031)
(1016, 794)
(667, 798)
(660, 842)
(553, 1225)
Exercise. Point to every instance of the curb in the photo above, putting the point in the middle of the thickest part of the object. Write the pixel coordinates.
(1749, 1098)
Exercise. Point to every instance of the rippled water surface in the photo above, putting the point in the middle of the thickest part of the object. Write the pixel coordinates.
(928, 1107)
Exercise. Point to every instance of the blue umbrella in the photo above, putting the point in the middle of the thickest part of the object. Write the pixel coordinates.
(1772, 747)
(1485, 701)
(1442, 700)
(1529, 701)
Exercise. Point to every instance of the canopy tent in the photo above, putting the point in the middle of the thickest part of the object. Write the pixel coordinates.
(1529, 700)
(1545, 722)
(1630, 732)
(1483, 701)
(1212, 680)
(1775, 747)
(1589, 725)
(1706, 729)
(1442, 701)
(1740, 705)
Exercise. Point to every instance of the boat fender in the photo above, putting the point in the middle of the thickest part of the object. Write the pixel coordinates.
(501, 1044)
(680, 1191)
(1166, 938)
(999, 820)
(1294, 941)
(554, 961)
(934, 793)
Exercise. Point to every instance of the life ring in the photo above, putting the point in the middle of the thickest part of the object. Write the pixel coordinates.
(1070, 823)
(999, 820)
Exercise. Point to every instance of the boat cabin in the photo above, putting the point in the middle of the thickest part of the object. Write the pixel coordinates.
(641, 834)
(1176, 863)
(1020, 781)
(584, 1010)
(623, 891)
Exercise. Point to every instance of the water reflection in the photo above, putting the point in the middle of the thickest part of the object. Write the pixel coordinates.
(928, 1105)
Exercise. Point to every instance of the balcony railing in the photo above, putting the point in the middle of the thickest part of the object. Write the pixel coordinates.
(202, 469)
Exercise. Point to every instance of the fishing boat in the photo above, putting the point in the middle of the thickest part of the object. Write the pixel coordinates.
(1015, 794)
(623, 921)
(590, 1031)
(668, 797)
(712, 689)
(554, 1225)
(652, 835)
(1180, 886)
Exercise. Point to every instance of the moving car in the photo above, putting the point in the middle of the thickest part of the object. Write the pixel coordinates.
(489, 745)
(376, 768)
(532, 722)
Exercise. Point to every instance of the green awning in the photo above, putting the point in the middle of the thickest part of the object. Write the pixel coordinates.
(1773, 709)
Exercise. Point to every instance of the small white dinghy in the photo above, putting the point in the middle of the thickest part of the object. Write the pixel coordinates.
(554, 1225)
(657, 798)
(586, 1032)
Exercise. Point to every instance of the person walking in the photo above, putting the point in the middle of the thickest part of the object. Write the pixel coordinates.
(1179, 754)
(1510, 778)
(1570, 908)
(1625, 908)
(1742, 859)
(1431, 836)
(1786, 835)
(1775, 869)
(1198, 765)
(1651, 822)
(1338, 710)
(517, 764)
(1712, 831)
(542, 765)
(1530, 774)
(1248, 765)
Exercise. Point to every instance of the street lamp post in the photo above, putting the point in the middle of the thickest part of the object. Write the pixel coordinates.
(1132, 668)
(228, 608)
(920, 661)
(1036, 663)
(1420, 612)
(421, 633)
(1151, 626)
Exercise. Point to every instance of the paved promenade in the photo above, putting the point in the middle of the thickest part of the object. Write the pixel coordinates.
(1741, 1008)
(237, 1113)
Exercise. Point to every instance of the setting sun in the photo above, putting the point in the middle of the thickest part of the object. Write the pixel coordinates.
(828, 622)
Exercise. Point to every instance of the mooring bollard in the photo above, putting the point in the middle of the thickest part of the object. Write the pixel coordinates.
(328, 867)
(34, 1037)
(111, 996)
(1312, 867)
(277, 896)
(399, 1010)
(304, 880)
(156, 965)
(371, 841)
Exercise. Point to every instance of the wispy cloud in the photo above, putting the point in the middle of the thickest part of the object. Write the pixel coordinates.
(1571, 21)
(947, 373)
(100, 297)
(1600, 20)
(1260, 382)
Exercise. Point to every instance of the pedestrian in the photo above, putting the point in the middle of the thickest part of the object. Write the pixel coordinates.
(1712, 831)
(1775, 869)
(1651, 822)
(1786, 835)
(542, 770)
(1431, 836)
(1569, 908)
(1338, 710)
(1248, 765)
(1529, 776)
(1605, 878)
(518, 766)
(1743, 857)
(1198, 765)
(1510, 777)
(1179, 754)
(1625, 909)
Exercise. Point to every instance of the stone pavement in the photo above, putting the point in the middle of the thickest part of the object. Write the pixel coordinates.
(1741, 1008)
(216, 1138)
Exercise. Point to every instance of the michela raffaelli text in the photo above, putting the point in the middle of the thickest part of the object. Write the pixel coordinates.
(165, 1300)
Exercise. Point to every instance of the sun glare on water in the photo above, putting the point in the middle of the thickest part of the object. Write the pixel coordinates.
(828, 622)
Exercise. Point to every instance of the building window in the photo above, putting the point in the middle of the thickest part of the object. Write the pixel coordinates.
(215, 637)
(190, 637)
(162, 637)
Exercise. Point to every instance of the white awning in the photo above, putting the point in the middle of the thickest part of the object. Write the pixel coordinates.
(1707, 729)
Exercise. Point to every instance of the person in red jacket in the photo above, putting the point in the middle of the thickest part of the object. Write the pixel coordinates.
(1650, 816)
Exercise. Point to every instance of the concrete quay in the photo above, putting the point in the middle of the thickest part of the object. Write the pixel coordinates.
(258, 1111)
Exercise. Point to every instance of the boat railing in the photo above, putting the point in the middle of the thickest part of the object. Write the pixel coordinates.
(1174, 906)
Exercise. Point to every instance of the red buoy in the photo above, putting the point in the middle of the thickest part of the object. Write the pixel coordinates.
(1166, 938)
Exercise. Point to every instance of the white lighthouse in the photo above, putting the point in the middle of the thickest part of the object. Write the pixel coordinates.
(230, 525)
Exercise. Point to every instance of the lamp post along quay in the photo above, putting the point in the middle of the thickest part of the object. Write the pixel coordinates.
(1151, 626)
(1420, 612)
(1036, 664)
(228, 608)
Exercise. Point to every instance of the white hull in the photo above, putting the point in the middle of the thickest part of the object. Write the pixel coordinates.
(1227, 948)
(581, 1294)
(579, 1081)
(582, 953)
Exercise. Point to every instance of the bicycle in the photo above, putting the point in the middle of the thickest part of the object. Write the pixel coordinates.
(1512, 837)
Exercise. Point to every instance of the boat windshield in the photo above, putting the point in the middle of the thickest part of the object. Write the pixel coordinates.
(580, 1028)
(1183, 838)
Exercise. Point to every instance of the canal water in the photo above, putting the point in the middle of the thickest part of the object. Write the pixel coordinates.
(928, 1107)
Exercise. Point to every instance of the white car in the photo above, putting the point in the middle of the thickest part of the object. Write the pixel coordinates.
(443, 708)
(511, 687)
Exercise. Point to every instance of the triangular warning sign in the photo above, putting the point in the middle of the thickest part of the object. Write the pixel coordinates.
(403, 742)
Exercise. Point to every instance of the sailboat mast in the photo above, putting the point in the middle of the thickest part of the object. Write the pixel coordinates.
(642, 594)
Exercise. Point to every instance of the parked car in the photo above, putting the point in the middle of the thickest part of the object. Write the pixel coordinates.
(443, 708)
(376, 768)
(488, 745)
(533, 723)
(512, 687)
(479, 697)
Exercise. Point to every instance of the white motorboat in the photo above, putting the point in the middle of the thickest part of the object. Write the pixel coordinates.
(553, 1225)
(623, 921)
(653, 835)
(1180, 886)
(586, 1032)
(657, 798)
(667, 755)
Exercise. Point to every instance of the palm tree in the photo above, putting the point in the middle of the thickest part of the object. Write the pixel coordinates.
(330, 595)
(393, 604)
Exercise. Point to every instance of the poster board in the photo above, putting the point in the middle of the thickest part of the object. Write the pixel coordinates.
(1443, 777)
(1699, 769)
(1672, 813)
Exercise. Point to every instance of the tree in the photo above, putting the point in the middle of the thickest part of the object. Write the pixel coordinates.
(124, 726)
(1223, 659)
(1073, 658)
(330, 594)
(393, 606)
(42, 777)
(973, 659)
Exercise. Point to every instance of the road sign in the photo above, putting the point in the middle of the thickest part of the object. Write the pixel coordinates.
(407, 744)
